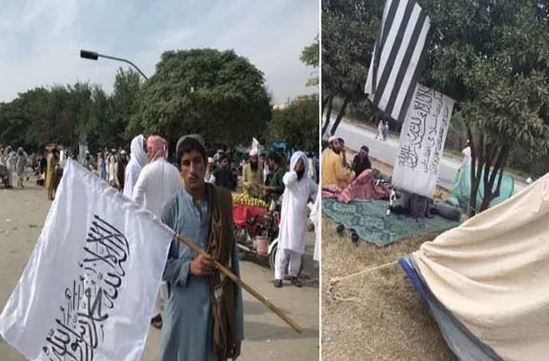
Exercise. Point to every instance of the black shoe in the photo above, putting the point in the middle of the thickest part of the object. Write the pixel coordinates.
(295, 282)
(354, 238)
(156, 321)
(278, 283)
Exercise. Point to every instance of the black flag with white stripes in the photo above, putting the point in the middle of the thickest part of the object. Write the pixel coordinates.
(399, 49)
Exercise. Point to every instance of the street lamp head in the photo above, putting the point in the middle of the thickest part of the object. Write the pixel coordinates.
(86, 54)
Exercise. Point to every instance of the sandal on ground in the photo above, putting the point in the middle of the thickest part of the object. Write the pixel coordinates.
(156, 321)
(295, 282)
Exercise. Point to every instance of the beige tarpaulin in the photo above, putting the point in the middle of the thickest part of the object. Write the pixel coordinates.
(492, 273)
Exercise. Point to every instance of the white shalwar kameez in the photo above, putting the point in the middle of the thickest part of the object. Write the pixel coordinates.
(138, 159)
(315, 218)
(293, 222)
(158, 183)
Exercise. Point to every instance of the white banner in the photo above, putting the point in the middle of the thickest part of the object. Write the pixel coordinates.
(422, 141)
(88, 290)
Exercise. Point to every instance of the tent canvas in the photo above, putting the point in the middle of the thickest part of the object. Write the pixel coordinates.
(489, 276)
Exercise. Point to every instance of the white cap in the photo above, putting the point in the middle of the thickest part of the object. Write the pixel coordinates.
(332, 138)
(210, 160)
(253, 152)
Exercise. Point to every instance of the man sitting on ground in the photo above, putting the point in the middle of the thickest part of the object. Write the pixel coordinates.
(333, 171)
(361, 162)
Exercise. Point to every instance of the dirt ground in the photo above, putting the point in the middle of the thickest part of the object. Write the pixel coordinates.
(22, 214)
(376, 315)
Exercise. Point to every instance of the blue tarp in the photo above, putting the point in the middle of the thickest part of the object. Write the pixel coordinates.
(463, 343)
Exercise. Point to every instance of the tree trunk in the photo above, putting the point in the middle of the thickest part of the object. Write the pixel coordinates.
(325, 101)
(476, 156)
(489, 192)
(340, 115)
(328, 114)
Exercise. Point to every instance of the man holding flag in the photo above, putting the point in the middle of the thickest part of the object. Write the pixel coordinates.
(203, 318)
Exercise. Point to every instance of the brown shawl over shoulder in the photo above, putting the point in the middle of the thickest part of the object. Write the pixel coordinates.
(220, 247)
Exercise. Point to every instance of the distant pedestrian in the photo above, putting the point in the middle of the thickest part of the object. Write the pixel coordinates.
(209, 176)
(138, 159)
(111, 168)
(386, 131)
(380, 128)
(20, 166)
(120, 169)
(224, 176)
(101, 166)
(466, 162)
(52, 172)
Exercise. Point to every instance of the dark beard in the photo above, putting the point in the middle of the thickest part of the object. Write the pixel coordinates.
(300, 174)
(253, 166)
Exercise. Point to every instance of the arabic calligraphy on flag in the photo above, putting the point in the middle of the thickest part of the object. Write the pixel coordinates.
(88, 290)
(422, 141)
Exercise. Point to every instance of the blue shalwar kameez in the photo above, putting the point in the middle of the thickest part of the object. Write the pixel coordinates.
(187, 322)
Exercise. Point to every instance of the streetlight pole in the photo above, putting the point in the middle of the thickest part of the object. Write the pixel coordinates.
(92, 55)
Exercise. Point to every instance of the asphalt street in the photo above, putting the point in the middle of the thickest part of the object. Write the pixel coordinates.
(22, 215)
(356, 136)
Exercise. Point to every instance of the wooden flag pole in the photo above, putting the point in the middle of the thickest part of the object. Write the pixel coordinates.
(241, 283)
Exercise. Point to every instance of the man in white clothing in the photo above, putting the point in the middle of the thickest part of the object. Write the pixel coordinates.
(466, 162)
(111, 168)
(315, 218)
(138, 159)
(209, 175)
(299, 188)
(158, 182)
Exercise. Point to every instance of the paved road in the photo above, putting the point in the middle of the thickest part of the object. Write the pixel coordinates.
(386, 152)
(22, 214)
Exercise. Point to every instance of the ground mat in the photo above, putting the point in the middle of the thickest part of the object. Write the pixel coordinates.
(372, 224)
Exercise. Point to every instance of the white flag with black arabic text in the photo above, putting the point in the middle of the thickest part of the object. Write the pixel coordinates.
(422, 140)
(88, 290)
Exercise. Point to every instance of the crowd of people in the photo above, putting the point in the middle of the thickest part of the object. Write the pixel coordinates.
(13, 163)
(193, 197)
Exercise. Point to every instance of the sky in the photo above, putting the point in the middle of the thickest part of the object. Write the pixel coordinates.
(40, 40)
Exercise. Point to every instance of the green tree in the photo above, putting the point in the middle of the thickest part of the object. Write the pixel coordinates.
(123, 103)
(218, 94)
(349, 29)
(492, 57)
(99, 133)
(297, 124)
(310, 56)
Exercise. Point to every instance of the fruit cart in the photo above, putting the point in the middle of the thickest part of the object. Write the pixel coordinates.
(255, 226)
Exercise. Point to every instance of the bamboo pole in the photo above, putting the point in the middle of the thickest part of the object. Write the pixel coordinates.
(241, 283)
